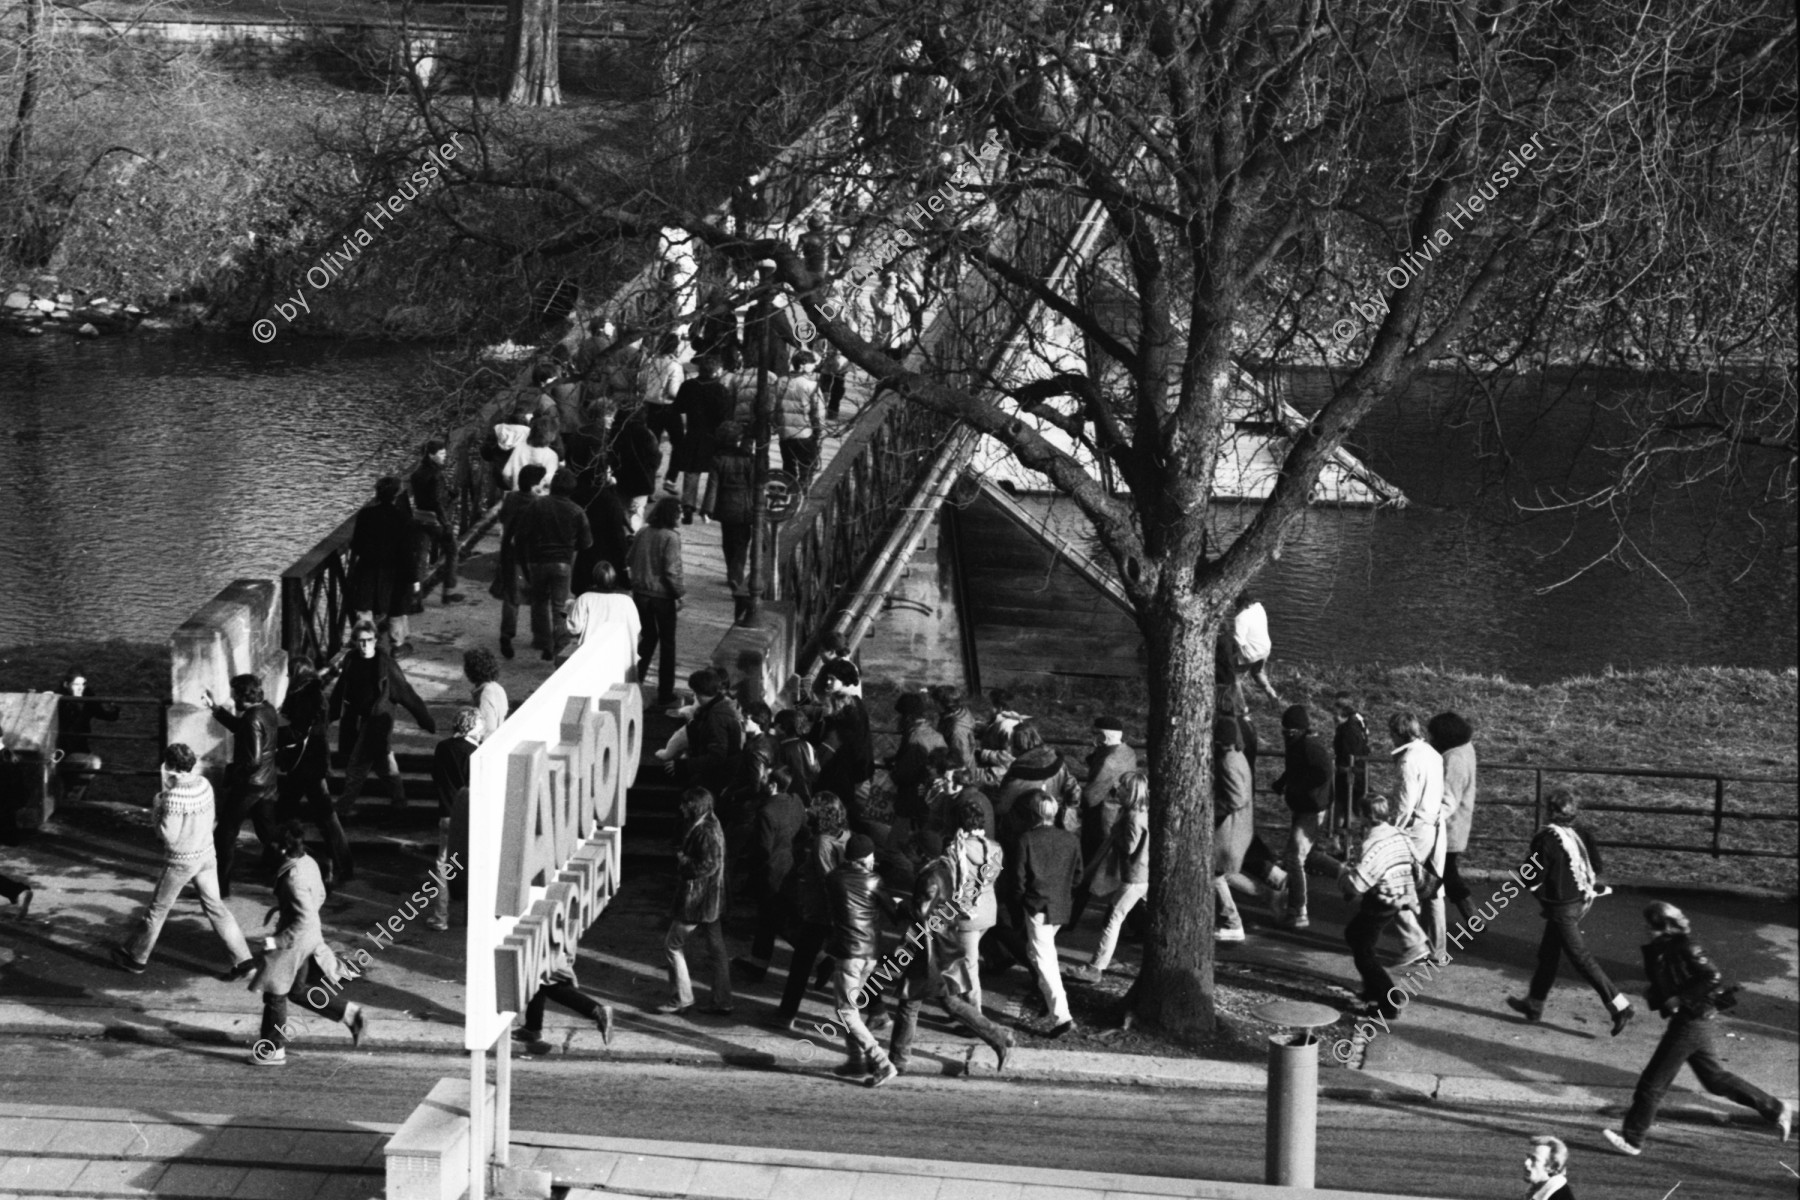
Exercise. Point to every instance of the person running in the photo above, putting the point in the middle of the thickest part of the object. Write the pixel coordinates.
(1690, 992)
(252, 780)
(1382, 877)
(1567, 885)
(302, 967)
(562, 986)
(699, 905)
(941, 969)
(1049, 868)
(184, 816)
(363, 702)
(1305, 784)
(1451, 737)
(1122, 862)
(657, 589)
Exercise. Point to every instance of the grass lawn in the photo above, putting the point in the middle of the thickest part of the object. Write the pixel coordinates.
(1728, 720)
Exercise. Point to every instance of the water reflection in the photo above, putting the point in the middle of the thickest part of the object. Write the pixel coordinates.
(139, 476)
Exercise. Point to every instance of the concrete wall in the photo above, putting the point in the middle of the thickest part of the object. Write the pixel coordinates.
(772, 633)
(237, 632)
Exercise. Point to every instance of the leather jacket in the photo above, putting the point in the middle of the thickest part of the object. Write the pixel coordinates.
(1679, 971)
(855, 912)
(252, 745)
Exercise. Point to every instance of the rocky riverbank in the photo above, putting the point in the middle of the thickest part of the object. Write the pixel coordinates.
(33, 307)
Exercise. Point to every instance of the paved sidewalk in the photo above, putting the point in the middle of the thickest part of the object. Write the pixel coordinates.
(124, 1152)
(1456, 1042)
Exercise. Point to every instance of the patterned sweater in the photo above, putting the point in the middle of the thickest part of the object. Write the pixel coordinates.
(184, 818)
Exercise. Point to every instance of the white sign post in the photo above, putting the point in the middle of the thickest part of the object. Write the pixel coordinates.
(546, 810)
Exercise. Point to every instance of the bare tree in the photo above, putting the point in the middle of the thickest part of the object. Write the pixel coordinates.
(1383, 188)
(531, 64)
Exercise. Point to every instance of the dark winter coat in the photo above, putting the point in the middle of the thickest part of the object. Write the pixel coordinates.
(75, 717)
(851, 762)
(610, 523)
(636, 457)
(304, 748)
(778, 824)
(1045, 872)
(700, 873)
(734, 468)
(1556, 885)
(1040, 768)
(367, 691)
(704, 404)
(1306, 782)
(715, 740)
(912, 768)
(381, 570)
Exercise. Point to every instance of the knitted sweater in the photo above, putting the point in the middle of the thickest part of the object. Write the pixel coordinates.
(184, 818)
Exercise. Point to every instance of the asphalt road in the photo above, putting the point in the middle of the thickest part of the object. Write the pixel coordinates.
(1432, 1150)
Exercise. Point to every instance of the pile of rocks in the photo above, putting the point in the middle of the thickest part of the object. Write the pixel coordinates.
(30, 309)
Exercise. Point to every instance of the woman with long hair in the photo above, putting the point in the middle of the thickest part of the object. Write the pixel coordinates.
(657, 588)
(1451, 736)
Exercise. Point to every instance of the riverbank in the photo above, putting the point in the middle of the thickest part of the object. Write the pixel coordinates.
(1729, 720)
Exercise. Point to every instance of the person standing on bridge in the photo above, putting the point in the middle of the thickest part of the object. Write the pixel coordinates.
(363, 702)
(704, 404)
(303, 756)
(380, 584)
(659, 383)
(509, 577)
(1566, 887)
(657, 588)
(734, 471)
(1689, 992)
(800, 419)
(605, 604)
(434, 521)
(546, 537)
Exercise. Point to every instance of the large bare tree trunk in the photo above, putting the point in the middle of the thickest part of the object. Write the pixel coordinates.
(18, 146)
(531, 53)
(1174, 991)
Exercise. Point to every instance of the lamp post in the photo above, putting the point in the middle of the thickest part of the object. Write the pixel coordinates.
(1293, 1120)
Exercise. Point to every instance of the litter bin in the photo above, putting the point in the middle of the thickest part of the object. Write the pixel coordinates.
(28, 779)
(1293, 1112)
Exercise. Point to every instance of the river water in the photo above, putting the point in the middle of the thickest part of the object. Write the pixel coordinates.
(138, 476)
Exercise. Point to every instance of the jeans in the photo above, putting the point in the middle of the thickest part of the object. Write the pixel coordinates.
(1455, 890)
(1226, 915)
(1303, 835)
(859, 1043)
(1689, 1040)
(808, 941)
(304, 993)
(1040, 947)
(549, 604)
(1430, 919)
(1128, 898)
(432, 532)
(657, 616)
(371, 747)
(674, 951)
(906, 1020)
(697, 491)
(258, 804)
(1361, 935)
(565, 994)
(971, 952)
(735, 539)
(1562, 935)
(833, 383)
(204, 875)
(800, 458)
